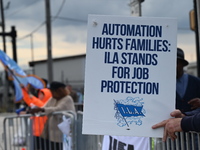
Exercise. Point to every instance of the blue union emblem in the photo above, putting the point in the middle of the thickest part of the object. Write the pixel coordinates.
(129, 111)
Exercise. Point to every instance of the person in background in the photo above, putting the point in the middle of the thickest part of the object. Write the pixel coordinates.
(43, 96)
(187, 86)
(73, 93)
(60, 101)
(38, 122)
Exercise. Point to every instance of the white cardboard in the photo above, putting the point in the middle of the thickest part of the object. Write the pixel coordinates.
(116, 103)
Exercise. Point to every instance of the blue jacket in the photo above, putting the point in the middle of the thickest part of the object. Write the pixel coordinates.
(191, 123)
(192, 91)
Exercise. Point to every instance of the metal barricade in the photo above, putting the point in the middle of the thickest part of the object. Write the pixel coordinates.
(18, 132)
(78, 106)
(86, 142)
(184, 141)
(18, 135)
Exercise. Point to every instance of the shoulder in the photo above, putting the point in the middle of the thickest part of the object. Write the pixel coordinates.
(68, 103)
(194, 78)
(67, 98)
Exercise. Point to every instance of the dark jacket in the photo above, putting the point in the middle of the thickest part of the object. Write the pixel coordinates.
(191, 122)
(192, 91)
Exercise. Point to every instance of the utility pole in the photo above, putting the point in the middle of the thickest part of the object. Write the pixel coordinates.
(13, 35)
(32, 51)
(6, 85)
(136, 7)
(3, 25)
(49, 47)
(140, 7)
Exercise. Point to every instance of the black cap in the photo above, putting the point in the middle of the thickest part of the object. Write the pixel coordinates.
(55, 85)
(180, 55)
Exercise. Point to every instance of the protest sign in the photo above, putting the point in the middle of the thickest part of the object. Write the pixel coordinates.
(130, 74)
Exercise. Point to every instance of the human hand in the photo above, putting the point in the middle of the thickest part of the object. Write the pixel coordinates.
(35, 110)
(195, 103)
(171, 126)
(177, 114)
(22, 112)
(24, 87)
(21, 85)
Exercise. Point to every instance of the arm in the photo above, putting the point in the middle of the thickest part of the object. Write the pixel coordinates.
(193, 112)
(191, 123)
(63, 104)
(31, 99)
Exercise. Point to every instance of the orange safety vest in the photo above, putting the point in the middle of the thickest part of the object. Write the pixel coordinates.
(38, 122)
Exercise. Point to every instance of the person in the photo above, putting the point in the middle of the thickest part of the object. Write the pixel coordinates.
(187, 86)
(189, 121)
(72, 93)
(43, 96)
(38, 122)
(60, 101)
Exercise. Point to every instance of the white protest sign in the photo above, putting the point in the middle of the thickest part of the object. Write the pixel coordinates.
(130, 75)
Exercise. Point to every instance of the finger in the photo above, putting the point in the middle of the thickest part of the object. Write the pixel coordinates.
(194, 107)
(192, 100)
(165, 135)
(161, 124)
(172, 136)
(192, 103)
(175, 113)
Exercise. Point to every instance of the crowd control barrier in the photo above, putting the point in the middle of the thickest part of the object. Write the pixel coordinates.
(18, 131)
(184, 141)
(18, 135)
(15, 132)
(87, 142)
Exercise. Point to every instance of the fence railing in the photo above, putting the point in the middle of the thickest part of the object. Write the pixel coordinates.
(184, 141)
(87, 142)
(18, 135)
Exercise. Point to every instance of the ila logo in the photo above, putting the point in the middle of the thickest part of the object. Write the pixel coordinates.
(129, 111)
